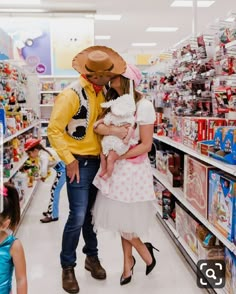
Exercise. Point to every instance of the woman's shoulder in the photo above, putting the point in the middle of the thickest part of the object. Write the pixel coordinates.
(144, 104)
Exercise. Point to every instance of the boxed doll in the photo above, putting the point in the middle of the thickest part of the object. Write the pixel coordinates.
(186, 226)
(177, 134)
(196, 175)
(194, 130)
(221, 210)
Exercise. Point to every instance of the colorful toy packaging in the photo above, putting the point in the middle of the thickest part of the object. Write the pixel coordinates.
(196, 183)
(186, 226)
(230, 274)
(195, 129)
(225, 144)
(221, 210)
(209, 246)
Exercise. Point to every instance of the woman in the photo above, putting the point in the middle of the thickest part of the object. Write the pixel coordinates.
(124, 201)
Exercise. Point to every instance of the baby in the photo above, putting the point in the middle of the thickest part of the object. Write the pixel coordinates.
(122, 112)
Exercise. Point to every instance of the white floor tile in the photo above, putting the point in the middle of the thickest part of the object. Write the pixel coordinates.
(42, 243)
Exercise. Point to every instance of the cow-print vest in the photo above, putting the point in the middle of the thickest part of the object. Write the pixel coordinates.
(78, 125)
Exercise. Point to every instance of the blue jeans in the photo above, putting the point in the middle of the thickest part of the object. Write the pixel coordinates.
(81, 199)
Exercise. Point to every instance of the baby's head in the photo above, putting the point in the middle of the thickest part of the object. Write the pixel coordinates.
(10, 216)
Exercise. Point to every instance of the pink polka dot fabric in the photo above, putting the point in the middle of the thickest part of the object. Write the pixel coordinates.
(129, 182)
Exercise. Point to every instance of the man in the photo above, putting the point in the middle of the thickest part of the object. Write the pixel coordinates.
(70, 132)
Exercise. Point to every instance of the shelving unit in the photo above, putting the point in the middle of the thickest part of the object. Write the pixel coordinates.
(179, 194)
(231, 169)
(16, 167)
(9, 138)
(50, 87)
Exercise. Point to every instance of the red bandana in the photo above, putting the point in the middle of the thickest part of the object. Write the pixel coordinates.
(96, 88)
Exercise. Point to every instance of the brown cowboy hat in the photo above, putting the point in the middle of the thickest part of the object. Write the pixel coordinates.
(99, 59)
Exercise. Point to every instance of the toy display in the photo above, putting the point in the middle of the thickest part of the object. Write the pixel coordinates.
(230, 277)
(224, 144)
(168, 205)
(208, 246)
(186, 226)
(222, 197)
(196, 175)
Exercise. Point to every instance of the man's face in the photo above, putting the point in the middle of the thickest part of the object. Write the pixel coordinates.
(100, 79)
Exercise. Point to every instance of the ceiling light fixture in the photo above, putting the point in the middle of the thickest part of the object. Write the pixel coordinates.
(20, 2)
(21, 10)
(230, 19)
(162, 29)
(102, 37)
(144, 44)
(187, 3)
(107, 16)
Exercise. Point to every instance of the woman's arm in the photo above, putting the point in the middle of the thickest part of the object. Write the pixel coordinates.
(18, 256)
(145, 145)
(104, 130)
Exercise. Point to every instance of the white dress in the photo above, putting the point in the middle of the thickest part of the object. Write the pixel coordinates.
(124, 201)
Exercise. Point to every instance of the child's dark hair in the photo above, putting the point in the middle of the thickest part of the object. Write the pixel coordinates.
(11, 206)
(40, 147)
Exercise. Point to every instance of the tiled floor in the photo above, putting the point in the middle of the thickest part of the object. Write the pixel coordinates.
(42, 244)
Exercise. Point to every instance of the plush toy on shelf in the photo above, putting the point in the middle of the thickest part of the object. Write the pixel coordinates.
(16, 153)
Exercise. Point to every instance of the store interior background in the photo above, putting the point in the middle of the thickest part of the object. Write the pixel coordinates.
(135, 18)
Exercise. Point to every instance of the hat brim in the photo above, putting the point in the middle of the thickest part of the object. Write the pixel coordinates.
(80, 60)
(33, 145)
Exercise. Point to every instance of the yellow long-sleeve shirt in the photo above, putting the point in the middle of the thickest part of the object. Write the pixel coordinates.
(66, 106)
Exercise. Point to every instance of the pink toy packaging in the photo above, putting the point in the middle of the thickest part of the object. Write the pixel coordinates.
(196, 183)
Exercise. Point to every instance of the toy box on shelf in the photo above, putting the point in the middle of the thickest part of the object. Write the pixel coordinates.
(209, 246)
(168, 205)
(186, 226)
(158, 189)
(225, 145)
(196, 174)
(230, 273)
(221, 207)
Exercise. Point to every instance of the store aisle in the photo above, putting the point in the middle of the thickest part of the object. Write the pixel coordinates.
(42, 243)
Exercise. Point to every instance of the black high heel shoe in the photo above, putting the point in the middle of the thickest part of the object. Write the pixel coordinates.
(124, 281)
(151, 266)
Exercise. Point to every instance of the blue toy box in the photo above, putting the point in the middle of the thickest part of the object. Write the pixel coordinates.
(221, 205)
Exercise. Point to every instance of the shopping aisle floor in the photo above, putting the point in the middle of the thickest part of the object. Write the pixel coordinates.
(42, 244)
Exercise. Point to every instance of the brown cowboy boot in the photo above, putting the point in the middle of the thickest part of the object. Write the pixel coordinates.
(69, 282)
(93, 265)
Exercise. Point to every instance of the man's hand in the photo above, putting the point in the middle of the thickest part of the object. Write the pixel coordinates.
(72, 171)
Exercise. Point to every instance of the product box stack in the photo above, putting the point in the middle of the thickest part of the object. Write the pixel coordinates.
(186, 226)
(196, 175)
(222, 203)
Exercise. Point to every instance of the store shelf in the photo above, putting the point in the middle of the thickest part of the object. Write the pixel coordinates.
(51, 92)
(58, 77)
(29, 193)
(16, 167)
(188, 250)
(231, 169)
(179, 194)
(7, 139)
(173, 230)
(44, 121)
(46, 105)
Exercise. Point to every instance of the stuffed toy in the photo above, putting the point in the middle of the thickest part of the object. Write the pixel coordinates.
(122, 112)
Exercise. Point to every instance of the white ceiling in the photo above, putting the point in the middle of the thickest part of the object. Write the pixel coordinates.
(137, 15)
